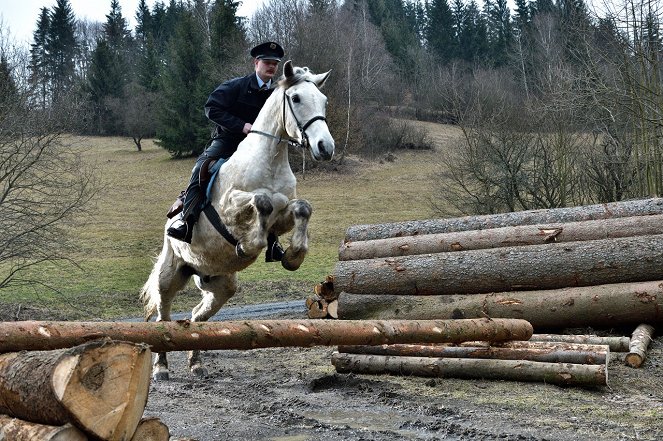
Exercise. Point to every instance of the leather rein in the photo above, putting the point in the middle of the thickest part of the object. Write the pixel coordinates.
(302, 127)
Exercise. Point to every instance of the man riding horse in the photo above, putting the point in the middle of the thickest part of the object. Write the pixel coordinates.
(232, 107)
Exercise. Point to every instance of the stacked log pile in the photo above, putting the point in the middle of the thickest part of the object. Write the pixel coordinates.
(592, 266)
(599, 265)
(96, 390)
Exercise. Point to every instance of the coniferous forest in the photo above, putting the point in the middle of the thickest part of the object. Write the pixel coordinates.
(559, 103)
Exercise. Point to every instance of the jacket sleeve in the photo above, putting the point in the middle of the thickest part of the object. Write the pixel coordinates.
(219, 103)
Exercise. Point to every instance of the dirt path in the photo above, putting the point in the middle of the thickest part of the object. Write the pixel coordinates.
(295, 394)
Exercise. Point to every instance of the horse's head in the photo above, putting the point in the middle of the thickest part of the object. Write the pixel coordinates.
(306, 108)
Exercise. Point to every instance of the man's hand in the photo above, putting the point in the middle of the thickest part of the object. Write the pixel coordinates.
(246, 129)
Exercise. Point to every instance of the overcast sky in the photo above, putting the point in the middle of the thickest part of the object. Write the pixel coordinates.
(20, 16)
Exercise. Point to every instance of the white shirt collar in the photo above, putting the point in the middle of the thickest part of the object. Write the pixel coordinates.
(261, 82)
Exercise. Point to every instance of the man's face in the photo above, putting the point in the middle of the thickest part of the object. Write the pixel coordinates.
(266, 69)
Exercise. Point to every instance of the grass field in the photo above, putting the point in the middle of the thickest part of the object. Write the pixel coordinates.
(118, 244)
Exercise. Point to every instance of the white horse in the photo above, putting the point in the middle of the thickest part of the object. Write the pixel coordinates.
(254, 194)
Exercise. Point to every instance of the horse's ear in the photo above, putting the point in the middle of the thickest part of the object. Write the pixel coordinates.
(320, 79)
(288, 69)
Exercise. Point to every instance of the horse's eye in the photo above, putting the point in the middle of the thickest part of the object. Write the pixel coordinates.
(295, 98)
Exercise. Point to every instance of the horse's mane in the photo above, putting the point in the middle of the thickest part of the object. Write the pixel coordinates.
(300, 74)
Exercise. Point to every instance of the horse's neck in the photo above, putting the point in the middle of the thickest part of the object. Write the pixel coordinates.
(263, 160)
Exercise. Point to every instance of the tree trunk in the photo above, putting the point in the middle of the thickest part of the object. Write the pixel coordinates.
(640, 340)
(101, 387)
(597, 306)
(590, 354)
(642, 207)
(515, 370)
(503, 237)
(13, 429)
(549, 266)
(151, 429)
(185, 335)
(616, 344)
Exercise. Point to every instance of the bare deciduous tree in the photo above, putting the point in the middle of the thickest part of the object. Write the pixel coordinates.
(44, 187)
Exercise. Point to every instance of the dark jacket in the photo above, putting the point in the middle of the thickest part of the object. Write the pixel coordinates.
(231, 105)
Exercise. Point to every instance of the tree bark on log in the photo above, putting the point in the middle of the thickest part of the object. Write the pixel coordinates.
(598, 306)
(14, 429)
(151, 429)
(594, 355)
(616, 344)
(631, 259)
(516, 370)
(253, 334)
(100, 387)
(502, 237)
(611, 210)
(640, 340)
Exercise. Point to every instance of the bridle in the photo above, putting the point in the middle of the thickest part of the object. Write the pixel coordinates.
(302, 127)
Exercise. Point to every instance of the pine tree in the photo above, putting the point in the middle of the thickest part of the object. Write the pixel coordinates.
(144, 22)
(183, 127)
(61, 49)
(39, 57)
(473, 35)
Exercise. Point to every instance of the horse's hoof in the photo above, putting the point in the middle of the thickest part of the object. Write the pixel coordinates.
(291, 260)
(198, 371)
(159, 375)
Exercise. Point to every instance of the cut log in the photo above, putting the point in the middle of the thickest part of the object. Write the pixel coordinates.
(253, 334)
(503, 237)
(616, 344)
(332, 309)
(326, 289)
(151, 429)
(516, 370)
(318, 309)
(100, 387)
(640, 340)
(642, 207)
(598, 306)
(14, 429)
(559, 354)
(631, 259)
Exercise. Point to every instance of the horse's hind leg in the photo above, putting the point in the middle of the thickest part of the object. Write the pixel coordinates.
(165, 280)
(300, 212)
(216, 291)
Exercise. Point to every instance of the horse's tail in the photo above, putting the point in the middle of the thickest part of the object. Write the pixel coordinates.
(150, 294)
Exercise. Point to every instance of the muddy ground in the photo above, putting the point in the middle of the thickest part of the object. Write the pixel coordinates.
(294, 394)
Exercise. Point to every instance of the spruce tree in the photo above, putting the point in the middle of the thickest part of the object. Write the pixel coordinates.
(8, 90)
(61, 49)
(183, 129)
(39, 70)
(227, 36)
(440, 36)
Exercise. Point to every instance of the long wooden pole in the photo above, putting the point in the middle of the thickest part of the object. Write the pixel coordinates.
(550, 266)
(538, 234)
(531, 217)
(185, 335)
(517, 370)
(598, 306)
(589, 354)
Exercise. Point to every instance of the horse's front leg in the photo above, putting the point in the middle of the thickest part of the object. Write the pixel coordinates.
(216, 291)
(299, 211)
(249, 213)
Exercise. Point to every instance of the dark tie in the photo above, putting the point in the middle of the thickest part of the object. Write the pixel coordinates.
(264, 86)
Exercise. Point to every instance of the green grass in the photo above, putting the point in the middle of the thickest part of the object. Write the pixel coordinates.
(118, 244)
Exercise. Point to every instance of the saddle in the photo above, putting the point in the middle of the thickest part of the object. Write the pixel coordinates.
(206, 177)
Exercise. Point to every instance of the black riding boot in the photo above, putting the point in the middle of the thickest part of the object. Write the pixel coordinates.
(274, 251)
(182, 228)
